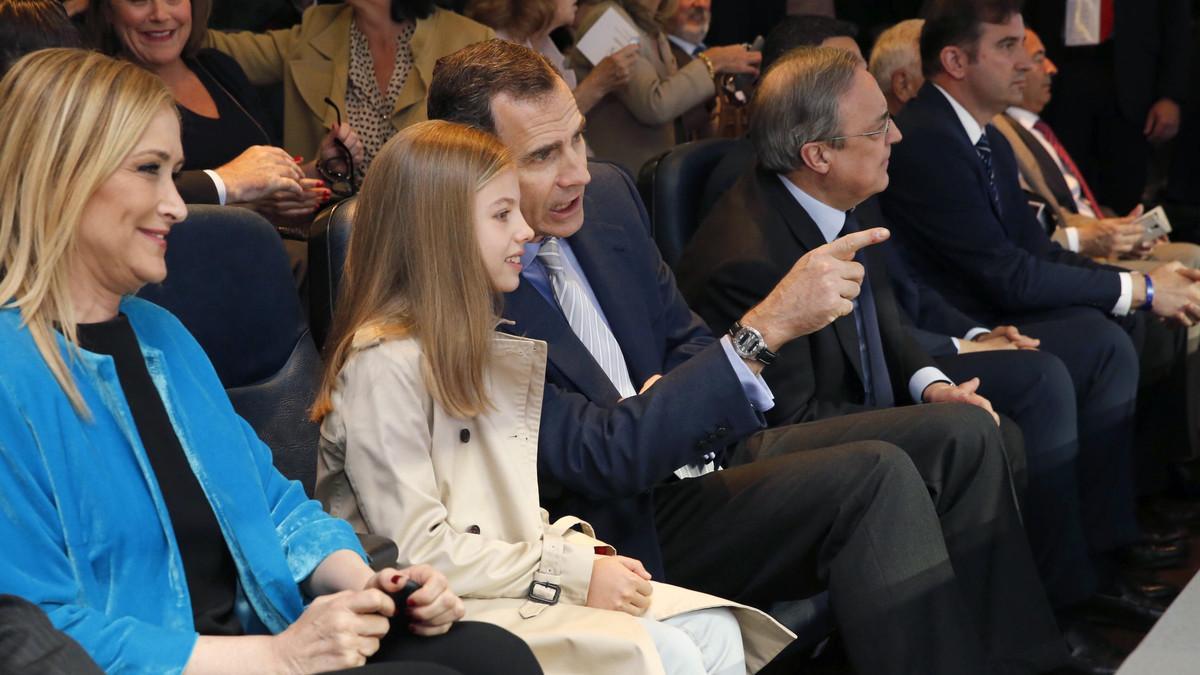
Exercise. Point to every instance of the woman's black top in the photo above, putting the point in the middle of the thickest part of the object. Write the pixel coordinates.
(207, 563)
(207, 142)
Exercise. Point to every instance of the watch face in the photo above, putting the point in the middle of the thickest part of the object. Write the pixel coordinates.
(746, 342)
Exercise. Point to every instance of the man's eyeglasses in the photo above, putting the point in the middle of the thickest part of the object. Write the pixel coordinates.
(887, 126)
(338, 172)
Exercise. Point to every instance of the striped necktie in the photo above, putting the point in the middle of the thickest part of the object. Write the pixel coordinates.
(983, 148)
(584, 318)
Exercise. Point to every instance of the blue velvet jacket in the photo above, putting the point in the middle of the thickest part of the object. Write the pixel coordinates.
(84, 529)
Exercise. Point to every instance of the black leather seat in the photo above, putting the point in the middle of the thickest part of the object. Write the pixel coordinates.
(672, 186)
(328, 242)
(229, 282)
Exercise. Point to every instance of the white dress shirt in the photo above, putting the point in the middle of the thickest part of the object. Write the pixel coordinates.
(1082, 25)
(830, 221)
(974, 131)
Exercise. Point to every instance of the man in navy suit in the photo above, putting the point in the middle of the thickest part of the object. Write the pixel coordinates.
(957, 207)
(642, 404)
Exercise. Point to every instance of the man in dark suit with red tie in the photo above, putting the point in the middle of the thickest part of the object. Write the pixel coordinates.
(1123, 71)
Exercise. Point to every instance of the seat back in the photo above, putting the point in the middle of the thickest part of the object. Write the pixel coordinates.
(229, 282)
(328, 242)
(673, 187)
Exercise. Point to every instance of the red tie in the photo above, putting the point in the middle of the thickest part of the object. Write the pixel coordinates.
(1045, 130)
(1106, 19)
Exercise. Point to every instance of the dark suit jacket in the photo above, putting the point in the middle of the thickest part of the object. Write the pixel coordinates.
(989, 263)
(1151, 47)
(599, 458)
(754, 235)
(935, 320)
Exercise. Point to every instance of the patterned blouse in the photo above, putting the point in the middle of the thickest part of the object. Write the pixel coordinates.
(368, 110)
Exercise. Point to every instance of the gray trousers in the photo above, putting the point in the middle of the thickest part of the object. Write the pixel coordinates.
(906, 516)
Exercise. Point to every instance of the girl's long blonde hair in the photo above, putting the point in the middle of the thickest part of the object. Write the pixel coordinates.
(70, 117)
(413, 266)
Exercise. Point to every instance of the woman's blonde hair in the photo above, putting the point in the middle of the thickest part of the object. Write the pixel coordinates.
(519, 19)
(414, 267)
(70, 119)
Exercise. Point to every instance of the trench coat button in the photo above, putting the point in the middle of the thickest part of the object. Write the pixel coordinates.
(465, 435)
(474, 529)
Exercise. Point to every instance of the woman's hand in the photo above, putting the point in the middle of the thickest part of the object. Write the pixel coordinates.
(432, 608)
(620, 584)
(336, 632)
(330, 150)
(609, 75)
(286, 208)
(734, 59)
(259, 172)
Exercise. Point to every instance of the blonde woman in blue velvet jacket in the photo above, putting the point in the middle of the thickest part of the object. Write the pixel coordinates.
(110, 412)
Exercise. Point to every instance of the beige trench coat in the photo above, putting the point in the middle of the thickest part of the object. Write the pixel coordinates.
(312, 60)
(462, 496)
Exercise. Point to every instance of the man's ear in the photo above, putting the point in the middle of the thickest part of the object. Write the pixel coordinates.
(816, 157)
(954, 61)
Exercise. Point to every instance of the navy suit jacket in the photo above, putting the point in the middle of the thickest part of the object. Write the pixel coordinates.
(754, 235)
(600, 458)
(989, 262)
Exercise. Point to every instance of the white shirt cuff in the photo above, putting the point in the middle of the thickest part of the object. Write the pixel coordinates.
(753, 385)
(1073, 239)
(957, 345)
(976, 332)
(1125, 301)
(216, 179)
(922, 379)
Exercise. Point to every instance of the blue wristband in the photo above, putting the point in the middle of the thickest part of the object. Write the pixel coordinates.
(1149, 303)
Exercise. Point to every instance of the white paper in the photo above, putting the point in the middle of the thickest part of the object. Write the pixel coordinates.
(611, 32)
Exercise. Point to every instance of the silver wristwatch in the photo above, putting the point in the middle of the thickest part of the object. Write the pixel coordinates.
(748, 344)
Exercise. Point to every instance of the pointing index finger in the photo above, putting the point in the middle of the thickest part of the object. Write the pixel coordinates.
(845, 247)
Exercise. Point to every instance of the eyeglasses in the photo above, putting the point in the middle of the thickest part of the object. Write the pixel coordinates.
(338, 172)
(887, 126)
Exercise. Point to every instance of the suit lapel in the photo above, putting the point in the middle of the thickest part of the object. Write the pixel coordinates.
(534, 317)
(934, 98)
(317, 78)
(601, 249)
(805, 229)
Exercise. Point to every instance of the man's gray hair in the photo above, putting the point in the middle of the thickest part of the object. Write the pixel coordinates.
(897, 48)
(797, 103)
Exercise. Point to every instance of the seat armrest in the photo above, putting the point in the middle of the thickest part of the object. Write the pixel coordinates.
(381, 551)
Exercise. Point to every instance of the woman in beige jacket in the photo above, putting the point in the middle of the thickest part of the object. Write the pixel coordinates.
(430, 427)
(372, 58)
(637, 121)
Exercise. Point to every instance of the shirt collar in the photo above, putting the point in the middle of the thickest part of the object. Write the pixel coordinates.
(686, 46)
(1026, 118)
(974, 131)
(828, 219)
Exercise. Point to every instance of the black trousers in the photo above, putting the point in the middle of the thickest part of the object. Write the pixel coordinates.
(468, 648)
(1035, 389)
(917, 585)
(29, 643)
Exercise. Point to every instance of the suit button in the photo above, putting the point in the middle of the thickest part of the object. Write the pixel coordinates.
(474, 529)
(722, 431)
(465, 435)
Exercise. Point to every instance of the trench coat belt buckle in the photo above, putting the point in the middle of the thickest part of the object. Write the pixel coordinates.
(545, 589)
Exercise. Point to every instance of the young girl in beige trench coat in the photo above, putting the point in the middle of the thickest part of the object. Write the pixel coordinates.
(430, 428)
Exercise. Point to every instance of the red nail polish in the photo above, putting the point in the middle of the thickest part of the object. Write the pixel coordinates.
(298, 159)
(411, 602)
(396, 579)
